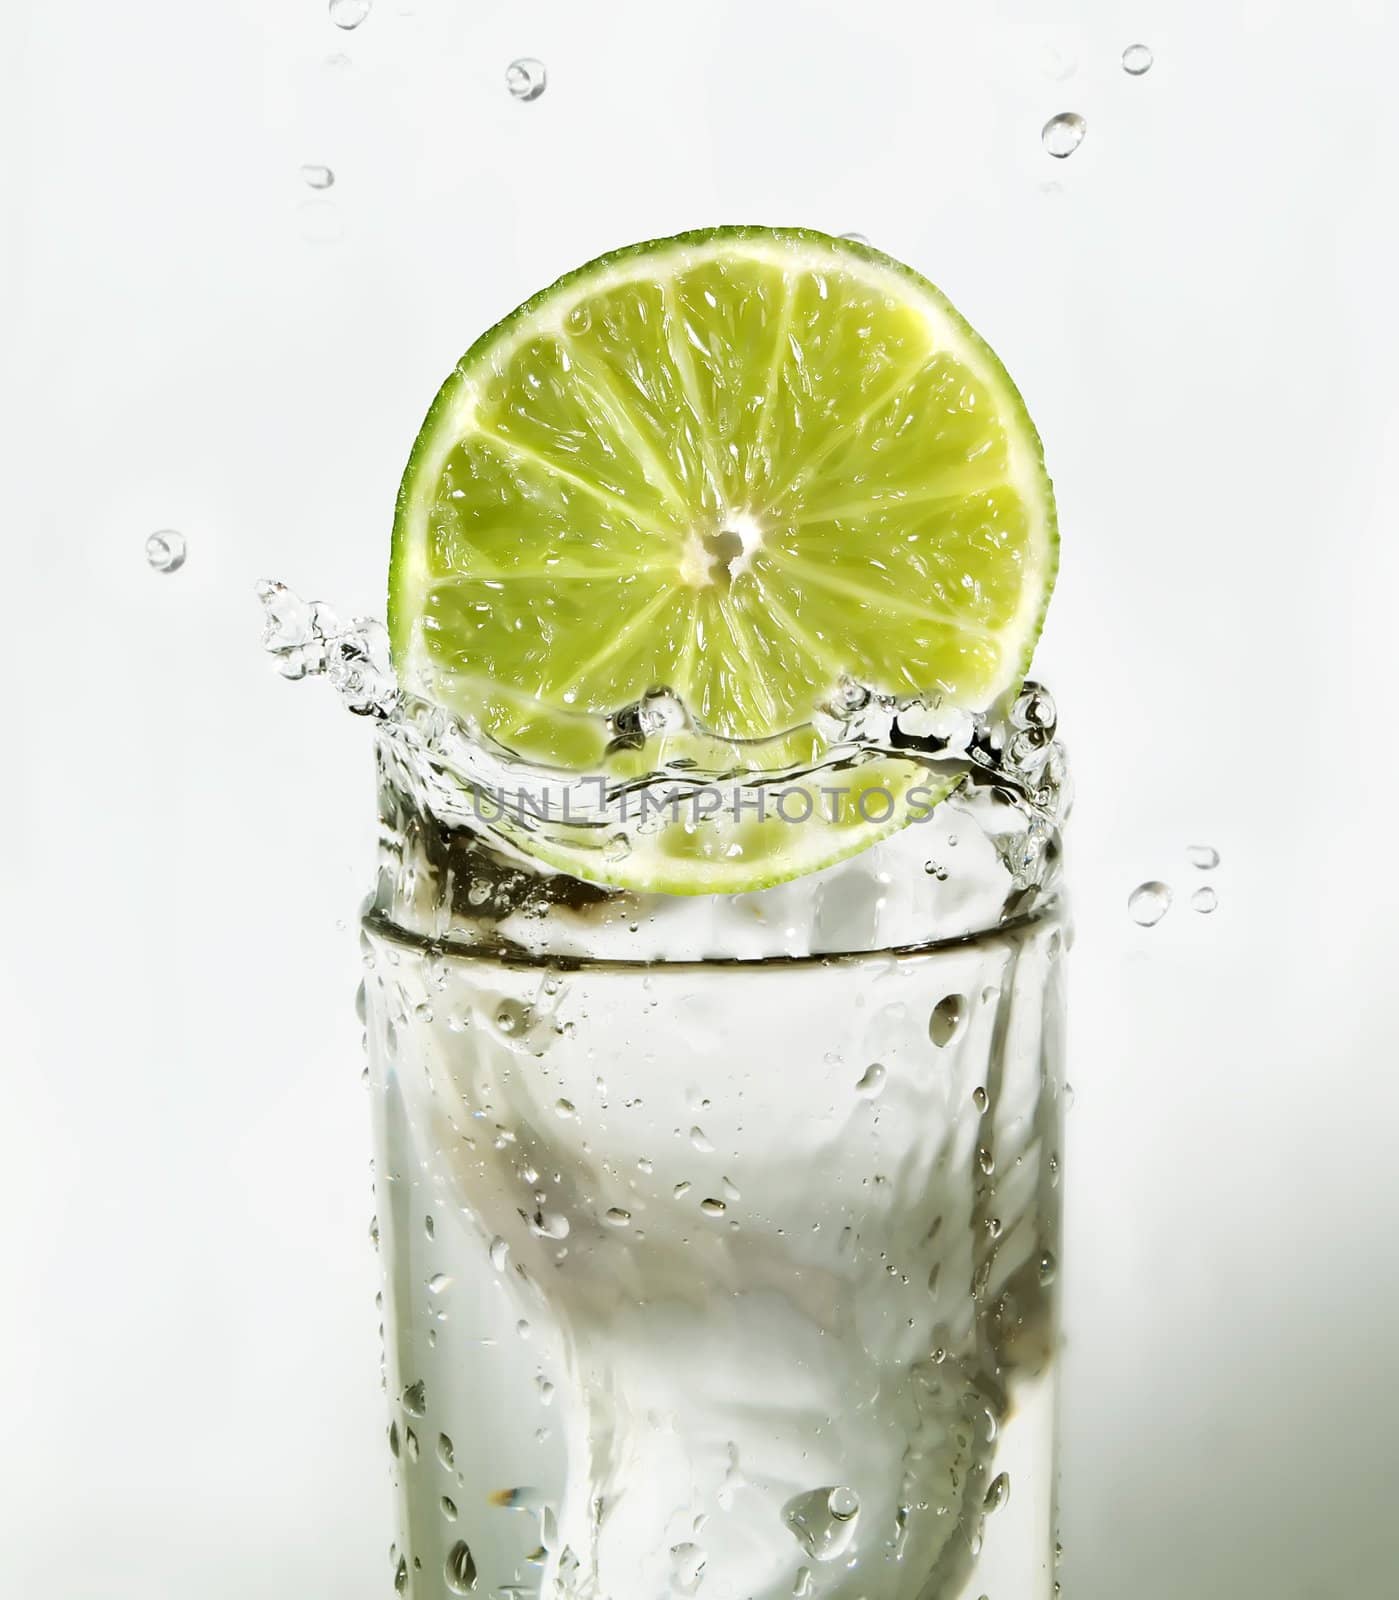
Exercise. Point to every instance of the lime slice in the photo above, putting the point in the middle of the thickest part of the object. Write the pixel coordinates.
(743, 465)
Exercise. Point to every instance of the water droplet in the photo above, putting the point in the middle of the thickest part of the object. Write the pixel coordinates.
(394, 1445)
(1148, 903)
(415, 1399)
(1063, 134)
(946, 1018)
(400, 1577)
(617, 1217)
(349, 13)
(438, 1283)
(998, 1493)
(511, 1017)
(449, 1508)
(565, 1109)
(429, 1227)
(1137, 59)
(460, 1569)
(526, 78)
(872, 1081)
(713, 1208)
(1203, 856)
(410, 1444)
(986, 1161)
(801, 1585)
(1204, 900)
(855, 238)
(699, 1141)
(823, 1521)
(546, 1390)
(445, 1453)
(549, 1225)
(979, 1099)
(374, 1232)
(687, 1567)
(165, 551)
(1049, 1268)
(935, 870)
(315, 177)
(500, 1254)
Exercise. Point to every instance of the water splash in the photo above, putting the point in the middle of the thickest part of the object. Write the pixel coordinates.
(308, 639)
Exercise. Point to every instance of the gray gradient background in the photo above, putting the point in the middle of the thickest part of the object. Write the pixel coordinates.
(1200, 308)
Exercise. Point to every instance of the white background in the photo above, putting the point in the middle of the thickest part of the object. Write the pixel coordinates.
(1200, 308)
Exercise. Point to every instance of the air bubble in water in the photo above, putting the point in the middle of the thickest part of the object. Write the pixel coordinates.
(315, 177)
(460, 1569)
(526, 78)
(1137, 59)
(1204, 900)
(1148, 903)
(165, 551)
(872, 1080)
(1063, 134)
(946, 1018)
(349, 13)
(1203, 856)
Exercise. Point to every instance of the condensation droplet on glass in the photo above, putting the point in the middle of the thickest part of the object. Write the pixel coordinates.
(400, 1577)
(565, 1109)
(445, 1453)
(526, 78)
(1137, 59)
(449, 1508)
(165, 551)
(429, 1226)
(617, 1218)
(986, 1161)
(998, 1493)
(317, 177)
(1063, 134)
(700, 1142)
(415, 1399)
(979, 1099)
(499, 1253)
(1203, 856)
(349, 14)
(438, 1283)
(1049, 1268)
(801, 1584)
(1204, 900)
(459, 1569)
(872, 1080)
(1148, 903)
(713, 1208)
(946, 1019)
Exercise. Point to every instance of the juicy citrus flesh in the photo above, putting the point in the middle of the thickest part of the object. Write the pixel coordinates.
(740, 465)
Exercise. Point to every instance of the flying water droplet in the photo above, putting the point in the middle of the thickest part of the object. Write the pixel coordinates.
(349, 14)
(1137, 59)
(526, 78)
(1203, 856)
(872, 1081)
(316, 177)
(460, 1569)
(1148, 903)
(165, 551)
(946, 1019)
(1204, 900)
(1063, 134)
